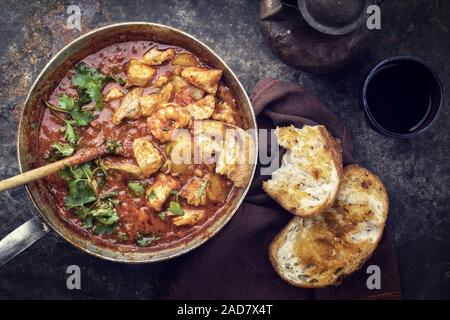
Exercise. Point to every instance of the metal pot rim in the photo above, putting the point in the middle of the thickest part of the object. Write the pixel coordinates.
(210, 52)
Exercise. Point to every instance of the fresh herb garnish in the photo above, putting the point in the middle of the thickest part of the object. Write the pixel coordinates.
(151, 195)
(100, 173)
(145, 241)
(112, 145)
(115, 78)
(162, 216)
(95, 211)
(73, 108)
(137, 188)
(202, 188)
(63, 149)
(175, 208)
(122, 236)
(69, 133)
(175, 193)
(105, 213)
(90, 82)
(104, 229)
(81, 189)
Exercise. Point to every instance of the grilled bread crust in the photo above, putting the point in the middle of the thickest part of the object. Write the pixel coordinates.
(308, 180)
(319, 251)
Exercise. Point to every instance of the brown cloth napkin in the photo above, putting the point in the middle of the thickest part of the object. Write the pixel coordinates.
(234, 264)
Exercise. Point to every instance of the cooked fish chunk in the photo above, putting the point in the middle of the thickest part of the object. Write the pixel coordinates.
(215, 189)
(195, 191)
(123, 167)
(203, 108)
(190, 217)
(204, 78)
(177, 70)
(138, 74)
(231, 148)
(147, 156)
(149, 103)
(224, 112)
(158, 192)
(179, 84)
(113, 94)
(129, 107)
(161, 81)
(155, 57)
(196, 93)
(185, 59)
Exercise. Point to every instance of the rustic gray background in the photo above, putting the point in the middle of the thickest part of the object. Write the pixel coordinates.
(416, 171)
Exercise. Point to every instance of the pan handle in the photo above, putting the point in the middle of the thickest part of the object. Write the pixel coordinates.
(21, 238)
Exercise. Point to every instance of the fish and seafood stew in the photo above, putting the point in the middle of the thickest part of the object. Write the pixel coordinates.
(163, 118)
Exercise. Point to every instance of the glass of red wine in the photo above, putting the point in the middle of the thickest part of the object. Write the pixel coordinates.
(402, 96)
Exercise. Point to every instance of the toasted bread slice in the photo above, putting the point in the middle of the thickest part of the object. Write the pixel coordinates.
(307, 182)
(319, 251)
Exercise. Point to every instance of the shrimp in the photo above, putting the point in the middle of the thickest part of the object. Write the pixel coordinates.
(203, 78)
(166, 119)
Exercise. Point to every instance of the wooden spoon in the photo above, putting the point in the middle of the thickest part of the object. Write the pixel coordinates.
(80, 157)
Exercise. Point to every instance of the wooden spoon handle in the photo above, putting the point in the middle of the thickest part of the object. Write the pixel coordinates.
(38, 173)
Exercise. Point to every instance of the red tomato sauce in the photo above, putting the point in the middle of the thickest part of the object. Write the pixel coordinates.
(135, 217)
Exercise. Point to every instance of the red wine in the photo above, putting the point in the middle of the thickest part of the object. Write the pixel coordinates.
(400, 96)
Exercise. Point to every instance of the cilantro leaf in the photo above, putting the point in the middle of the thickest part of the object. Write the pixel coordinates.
(83, 171)
(112, 145)
(162, 216)
(104, 229)
(202, 188)
(90, 81)
(105, 214)
(145, 241)
(81, 193)
(95, 212)
(137, 188)
(82, 118)
(88, 222)
(68, 104)
(108, 195)
(63, 149)
(115, 78)
(65, 174)
(151, 195)
(175, 208)
(70, 135)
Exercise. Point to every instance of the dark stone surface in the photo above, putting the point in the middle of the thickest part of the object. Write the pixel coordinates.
(416, 171)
